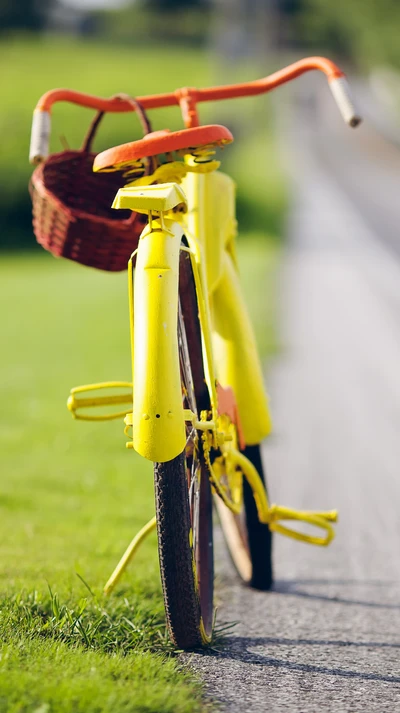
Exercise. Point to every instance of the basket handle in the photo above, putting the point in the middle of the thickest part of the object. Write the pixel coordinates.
(137, 107)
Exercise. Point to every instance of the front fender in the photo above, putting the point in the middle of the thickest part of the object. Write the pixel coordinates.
(158, 419)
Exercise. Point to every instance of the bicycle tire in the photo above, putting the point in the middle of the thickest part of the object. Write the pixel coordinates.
(248, 540)
(184, 499)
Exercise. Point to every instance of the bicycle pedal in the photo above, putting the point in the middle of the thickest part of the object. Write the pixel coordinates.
(76, 403)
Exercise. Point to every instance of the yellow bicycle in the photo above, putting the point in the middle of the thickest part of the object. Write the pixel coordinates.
(199, 410)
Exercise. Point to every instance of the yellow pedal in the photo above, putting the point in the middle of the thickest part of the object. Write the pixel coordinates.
(76, 403)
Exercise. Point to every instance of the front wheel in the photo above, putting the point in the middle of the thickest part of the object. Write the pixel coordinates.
(183, 495)
(185, 546)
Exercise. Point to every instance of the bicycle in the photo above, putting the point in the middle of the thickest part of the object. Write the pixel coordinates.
(196, 406)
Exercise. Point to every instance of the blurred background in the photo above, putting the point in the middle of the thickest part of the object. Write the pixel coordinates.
(70, 499)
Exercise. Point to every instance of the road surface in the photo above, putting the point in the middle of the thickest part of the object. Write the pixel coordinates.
(328, 637)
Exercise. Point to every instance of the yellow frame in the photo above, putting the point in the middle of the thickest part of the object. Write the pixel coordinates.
(203, 214)
(158, 421)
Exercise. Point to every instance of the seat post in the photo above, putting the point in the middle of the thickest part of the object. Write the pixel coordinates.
(188, 103)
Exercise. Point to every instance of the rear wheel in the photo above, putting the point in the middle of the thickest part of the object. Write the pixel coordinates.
(183, 496)
(249, 541)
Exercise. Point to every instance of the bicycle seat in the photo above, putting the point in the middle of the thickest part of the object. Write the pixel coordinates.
(159, 142)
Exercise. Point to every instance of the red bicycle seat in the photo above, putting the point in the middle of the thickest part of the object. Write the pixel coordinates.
(159, 142)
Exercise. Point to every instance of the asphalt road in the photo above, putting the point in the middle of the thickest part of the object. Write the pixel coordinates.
(328, 637)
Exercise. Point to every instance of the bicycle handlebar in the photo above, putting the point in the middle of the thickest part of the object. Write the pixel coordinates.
(187, 98)
(341, 92)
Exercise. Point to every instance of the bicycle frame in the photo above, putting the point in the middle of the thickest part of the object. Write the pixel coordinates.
(211, 220)
(158, 417)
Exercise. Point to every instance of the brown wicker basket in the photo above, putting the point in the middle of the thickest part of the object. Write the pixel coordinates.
(72, 214)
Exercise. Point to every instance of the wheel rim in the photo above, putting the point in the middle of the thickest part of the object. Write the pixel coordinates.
(199, 492)
(234, 528)
(249, 541)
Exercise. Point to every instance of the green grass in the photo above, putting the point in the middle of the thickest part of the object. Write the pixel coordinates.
(39, 672)
(258, 262)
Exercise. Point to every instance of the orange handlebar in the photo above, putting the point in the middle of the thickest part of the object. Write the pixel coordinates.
(181, 96)
(188, 98)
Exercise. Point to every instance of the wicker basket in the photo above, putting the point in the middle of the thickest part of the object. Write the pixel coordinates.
(72, 214)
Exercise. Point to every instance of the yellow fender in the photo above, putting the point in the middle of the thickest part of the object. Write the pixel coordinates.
(158, 417)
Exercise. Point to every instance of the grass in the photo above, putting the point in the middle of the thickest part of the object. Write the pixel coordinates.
(42, 670)
(71, 495)
(258, 260)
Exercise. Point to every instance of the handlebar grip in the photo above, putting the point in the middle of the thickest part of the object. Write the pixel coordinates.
(40, 136)
(341, 91)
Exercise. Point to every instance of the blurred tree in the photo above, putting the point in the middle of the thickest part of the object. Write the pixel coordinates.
(243, 29)
(290, 7)
(172, 5)
(366, 31)
(183, 21)
(23, 14)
